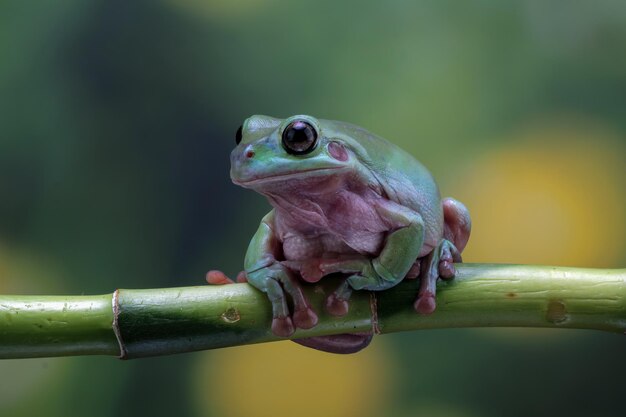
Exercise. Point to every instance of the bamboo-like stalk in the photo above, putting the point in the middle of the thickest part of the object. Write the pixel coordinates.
(140, 323)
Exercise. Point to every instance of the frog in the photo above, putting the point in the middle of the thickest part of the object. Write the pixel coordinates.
(344, 202)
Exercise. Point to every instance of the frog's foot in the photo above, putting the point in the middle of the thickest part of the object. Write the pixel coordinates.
(305, 318)
(284, 324)
(449, 255)
(425, 303)
(339, 343)
(438, 263)
(337, 304)
(215, 277)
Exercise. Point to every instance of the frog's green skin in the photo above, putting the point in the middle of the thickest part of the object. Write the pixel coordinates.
(356, 204)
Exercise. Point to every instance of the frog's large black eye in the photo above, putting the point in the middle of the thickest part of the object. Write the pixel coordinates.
(239, 135)
(299, 138)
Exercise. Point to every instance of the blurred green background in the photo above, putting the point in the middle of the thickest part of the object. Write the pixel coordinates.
(116, 123)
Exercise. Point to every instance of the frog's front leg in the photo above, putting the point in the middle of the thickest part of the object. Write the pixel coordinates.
(401, 249)
(267, 274)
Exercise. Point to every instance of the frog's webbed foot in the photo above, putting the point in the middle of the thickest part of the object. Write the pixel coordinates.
(278, 282)
(438, 263)
(449, 255)
(338, 303)
(275, 281)
(282, 324)
(215, 277)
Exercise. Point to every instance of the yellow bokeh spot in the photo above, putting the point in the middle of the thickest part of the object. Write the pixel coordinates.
(554, 196)
(24, 271)
(283, 379)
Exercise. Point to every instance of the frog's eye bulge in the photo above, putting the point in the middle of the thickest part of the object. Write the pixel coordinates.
(239, 135)
(299, 138)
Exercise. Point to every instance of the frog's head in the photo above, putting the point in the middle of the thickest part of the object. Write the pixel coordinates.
(272, 152)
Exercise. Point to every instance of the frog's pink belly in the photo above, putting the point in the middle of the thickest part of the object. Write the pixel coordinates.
(297, 247)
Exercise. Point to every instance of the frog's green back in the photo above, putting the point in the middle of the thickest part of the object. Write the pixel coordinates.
(404, 179)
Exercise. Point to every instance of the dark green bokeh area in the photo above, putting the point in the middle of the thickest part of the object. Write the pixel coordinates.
(116, 123)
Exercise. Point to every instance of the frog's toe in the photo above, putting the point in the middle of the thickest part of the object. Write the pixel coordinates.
(305, 318)
(215, 277)
(283, 326)
(446, 269)
(337, 306)
(242, 277)
(448, 255)
(425, 303)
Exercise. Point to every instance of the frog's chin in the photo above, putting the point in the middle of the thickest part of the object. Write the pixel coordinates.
(261, 181)
(339, 343)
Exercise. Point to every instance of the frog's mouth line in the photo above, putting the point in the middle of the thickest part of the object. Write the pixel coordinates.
(285, 176)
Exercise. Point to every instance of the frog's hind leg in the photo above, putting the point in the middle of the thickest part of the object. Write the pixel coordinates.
(457, 224)
(438, 263)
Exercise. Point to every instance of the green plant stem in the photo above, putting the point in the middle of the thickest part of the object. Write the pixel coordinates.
(140, 323)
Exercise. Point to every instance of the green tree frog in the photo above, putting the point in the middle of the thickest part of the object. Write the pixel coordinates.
(344, 201)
